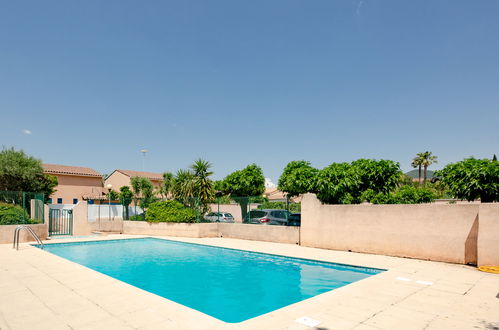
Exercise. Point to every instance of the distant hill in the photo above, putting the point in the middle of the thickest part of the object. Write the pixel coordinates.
(415, 174)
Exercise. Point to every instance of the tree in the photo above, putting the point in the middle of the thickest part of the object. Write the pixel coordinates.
(471, 179)
(183, 186)
(20, 172)
(142, 188)
(335, 183)
(426, 160)
(113, 195)
(203, 185)
(136, 183)
(297, 178)
(494, 158)
(126, 197)
(147, 191)
(243, 184)
(344, 183)
(166, 187)
(418, 162)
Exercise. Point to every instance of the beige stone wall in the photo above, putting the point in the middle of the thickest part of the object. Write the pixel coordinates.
(488, 235)
(171, 229)
(106, 225)
(424, 231)
(267, 233)
(81, 226)
(7, 233)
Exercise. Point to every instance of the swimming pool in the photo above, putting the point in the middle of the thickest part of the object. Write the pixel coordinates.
(231, 285)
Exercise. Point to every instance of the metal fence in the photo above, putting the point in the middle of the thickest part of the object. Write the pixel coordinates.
(20, 207)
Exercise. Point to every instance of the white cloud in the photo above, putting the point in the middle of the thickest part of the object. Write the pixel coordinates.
(26, 131)
(269, 183)
(359, 6)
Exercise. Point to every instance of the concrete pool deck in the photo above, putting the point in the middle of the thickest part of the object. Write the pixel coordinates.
(39, 290)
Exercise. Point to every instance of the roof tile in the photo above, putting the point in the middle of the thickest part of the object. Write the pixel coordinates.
(70, 170)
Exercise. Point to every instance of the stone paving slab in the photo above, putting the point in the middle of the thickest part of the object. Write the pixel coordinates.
(39, 290)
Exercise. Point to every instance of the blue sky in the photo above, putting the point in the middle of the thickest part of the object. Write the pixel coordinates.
(90, 83)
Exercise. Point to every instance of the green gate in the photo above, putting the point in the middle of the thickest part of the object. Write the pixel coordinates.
(60, 222)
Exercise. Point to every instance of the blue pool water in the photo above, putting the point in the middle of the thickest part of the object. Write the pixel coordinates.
(231, 285)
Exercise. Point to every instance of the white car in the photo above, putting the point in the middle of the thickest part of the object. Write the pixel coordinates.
(219, 217)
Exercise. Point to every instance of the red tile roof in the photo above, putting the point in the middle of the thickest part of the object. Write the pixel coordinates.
(150, 175)
(70, 170)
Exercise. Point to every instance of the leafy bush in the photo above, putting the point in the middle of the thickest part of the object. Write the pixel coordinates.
(293, 207)
(344, 183)
(297, 178)
(170, 211)
(13, 214)
(472, 179)
(137, 217)
(407, 194)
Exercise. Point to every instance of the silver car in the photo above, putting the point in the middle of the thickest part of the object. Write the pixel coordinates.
(219, 217)
(268, 217)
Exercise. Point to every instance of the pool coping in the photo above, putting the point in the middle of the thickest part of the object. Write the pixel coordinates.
(356, 304)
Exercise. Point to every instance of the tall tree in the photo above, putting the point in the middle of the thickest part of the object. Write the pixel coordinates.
(418, 162)
(166, 187)
(203, 185)
(20, 172)
(427, 160)
(494, 158)
(147, 191)
(243, 184)
(136, 183)
(183, 188)
(126, 196)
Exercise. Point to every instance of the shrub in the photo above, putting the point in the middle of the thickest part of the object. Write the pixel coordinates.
(407, 194)
(170, 211)
(345, 183)
(13, 214)
(472, 179)
(137, 217)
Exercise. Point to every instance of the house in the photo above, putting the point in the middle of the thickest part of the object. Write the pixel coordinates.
(75, 183)
(275, 195)
(120, 178)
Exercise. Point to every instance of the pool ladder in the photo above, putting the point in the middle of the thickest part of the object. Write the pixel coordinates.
(28, 228)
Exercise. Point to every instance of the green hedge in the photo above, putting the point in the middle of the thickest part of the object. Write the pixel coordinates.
(13, 215)
(170, 211)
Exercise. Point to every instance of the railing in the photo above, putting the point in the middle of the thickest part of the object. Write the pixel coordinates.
(16, 236)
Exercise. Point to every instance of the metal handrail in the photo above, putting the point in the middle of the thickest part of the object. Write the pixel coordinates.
(30, 230)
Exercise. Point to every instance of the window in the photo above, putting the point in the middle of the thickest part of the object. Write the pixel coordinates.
(75, 200)
(90, 201)
(256, 214)
(49, 201)
(59, 200)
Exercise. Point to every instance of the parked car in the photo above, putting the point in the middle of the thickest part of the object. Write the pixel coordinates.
(268, 217)
(294, 219)
(219, 217)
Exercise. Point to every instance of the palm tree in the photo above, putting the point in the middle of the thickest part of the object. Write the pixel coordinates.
(183, 186)
(426, 160)
(203, 184)
(418, 162)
